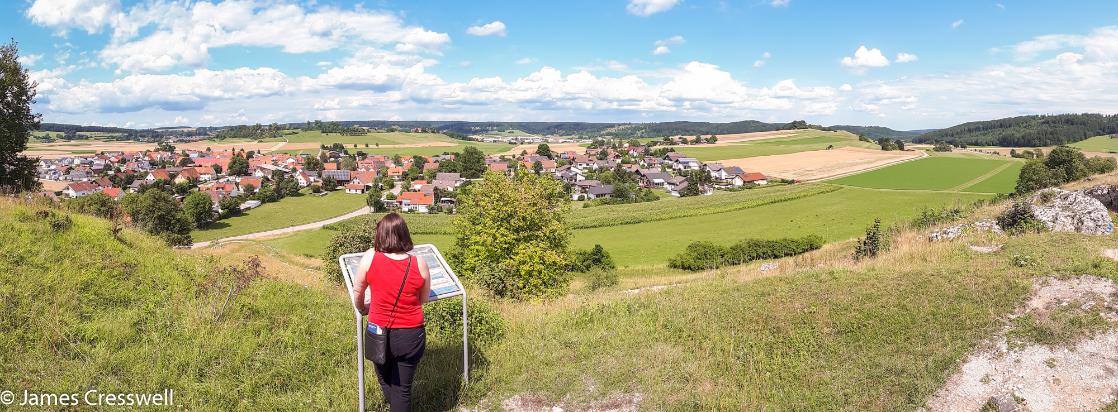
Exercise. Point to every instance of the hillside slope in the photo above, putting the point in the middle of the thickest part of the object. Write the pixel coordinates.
(83, 310)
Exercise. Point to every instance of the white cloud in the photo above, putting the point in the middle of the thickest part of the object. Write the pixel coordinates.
(661, 46)
(906, 58)
(89, 15)
(30, 59)
(846, 87)
(170, 92)
(955, 24)
(779, 3)
(525, 60)
(764, 59)
(865, 58)
(161, 35)
(495, 28)
(649, 7)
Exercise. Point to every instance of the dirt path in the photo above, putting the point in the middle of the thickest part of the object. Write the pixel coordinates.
(982, 178)
(1072, 376)
(286, 230)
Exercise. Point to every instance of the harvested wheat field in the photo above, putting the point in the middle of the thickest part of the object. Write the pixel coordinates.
(822, 164)
(531, 148)
(64, 149)
(316, 145)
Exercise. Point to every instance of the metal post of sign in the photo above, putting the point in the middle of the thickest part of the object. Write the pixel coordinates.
(360, 366)
(465, 343)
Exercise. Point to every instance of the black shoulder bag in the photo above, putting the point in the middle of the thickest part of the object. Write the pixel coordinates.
(376, 337)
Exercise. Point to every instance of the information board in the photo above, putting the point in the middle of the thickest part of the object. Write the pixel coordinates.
(444, 284)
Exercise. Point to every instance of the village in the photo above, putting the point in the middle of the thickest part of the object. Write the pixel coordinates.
(244, 180)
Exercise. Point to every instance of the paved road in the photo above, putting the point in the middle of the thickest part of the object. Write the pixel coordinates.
(275, 232)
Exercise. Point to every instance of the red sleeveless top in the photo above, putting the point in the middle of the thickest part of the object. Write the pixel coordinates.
(384, 277)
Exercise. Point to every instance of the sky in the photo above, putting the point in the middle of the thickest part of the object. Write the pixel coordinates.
(901, 64)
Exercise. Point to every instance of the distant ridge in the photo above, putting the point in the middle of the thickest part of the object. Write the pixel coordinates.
(615, 129)
(1026, 131)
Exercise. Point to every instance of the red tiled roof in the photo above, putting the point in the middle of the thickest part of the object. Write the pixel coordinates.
(416, 198)
(752, 177)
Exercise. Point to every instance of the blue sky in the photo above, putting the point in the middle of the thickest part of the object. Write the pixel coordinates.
(906, 65)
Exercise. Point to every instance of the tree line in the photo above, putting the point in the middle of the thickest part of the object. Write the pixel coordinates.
(1026, 131)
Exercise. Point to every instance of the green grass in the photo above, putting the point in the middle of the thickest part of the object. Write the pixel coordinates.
(290, 211)
(932, 173)
(487, 148)
(652, 232)
(1098, 144)
(312, 243)
(800, 142)
(1004, 181)
(838, 215)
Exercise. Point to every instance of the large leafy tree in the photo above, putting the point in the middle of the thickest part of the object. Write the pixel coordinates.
(471, 162)
(158, 213)
(17, 94)
(198, 209)
(512, 235)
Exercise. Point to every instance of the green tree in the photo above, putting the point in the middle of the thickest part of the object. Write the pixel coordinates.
(97, 204)
(512, 235)
(198, 209)
(238, 166)
(156, 212)
(329, 183)
(1035, 175)
(312, 164)
(230, 206)
(348, 163)
(1071, 162)
(594, 258)
(374, 201)
(544, 150)
(471, 162)
(17, 94)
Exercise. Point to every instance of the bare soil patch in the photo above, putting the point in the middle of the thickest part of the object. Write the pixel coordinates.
(532, 403)
(1077, 375)
(821, 164)
(531, 148)
(53, 185)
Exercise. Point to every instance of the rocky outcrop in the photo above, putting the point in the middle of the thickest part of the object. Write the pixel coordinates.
(1067, 211)
(1107, 194)
(947, 233)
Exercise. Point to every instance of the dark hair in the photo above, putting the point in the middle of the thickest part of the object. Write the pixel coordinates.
(392, 235)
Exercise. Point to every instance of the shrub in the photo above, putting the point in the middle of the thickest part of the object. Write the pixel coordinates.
(1035, 175)
(932, 217)
(874, 243)
(707, 255)
(444, 319)
(1019, 219)
(97, 204)
(1099, 165)
(598, 279)
(590, 259)
(352, 239)
(59, 222)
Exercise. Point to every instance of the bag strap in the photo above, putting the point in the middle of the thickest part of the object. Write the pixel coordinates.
(402, 283)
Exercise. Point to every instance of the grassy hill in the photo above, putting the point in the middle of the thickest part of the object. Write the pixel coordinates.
(819, 332)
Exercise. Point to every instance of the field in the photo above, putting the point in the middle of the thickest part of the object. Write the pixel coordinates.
(948, 173)
(289, 211)
(650, 233)
(382, 138)
(1106, 144)
(821, 164)
(772, 144)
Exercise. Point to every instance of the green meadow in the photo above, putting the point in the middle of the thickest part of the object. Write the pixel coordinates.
(1098, 144)
(289, 211)
(650, 233)
(949, 173)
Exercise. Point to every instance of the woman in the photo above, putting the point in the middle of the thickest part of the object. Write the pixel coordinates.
(383, 270)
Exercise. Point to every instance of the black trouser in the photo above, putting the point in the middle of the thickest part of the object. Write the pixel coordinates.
(405, 348)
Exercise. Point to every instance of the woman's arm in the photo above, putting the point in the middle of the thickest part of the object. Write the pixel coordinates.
(359, 283)
(425, 291)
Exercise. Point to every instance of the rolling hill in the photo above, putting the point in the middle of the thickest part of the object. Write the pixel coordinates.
(1026, 131)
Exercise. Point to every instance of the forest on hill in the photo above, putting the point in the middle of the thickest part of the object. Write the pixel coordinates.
(1026, 131)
